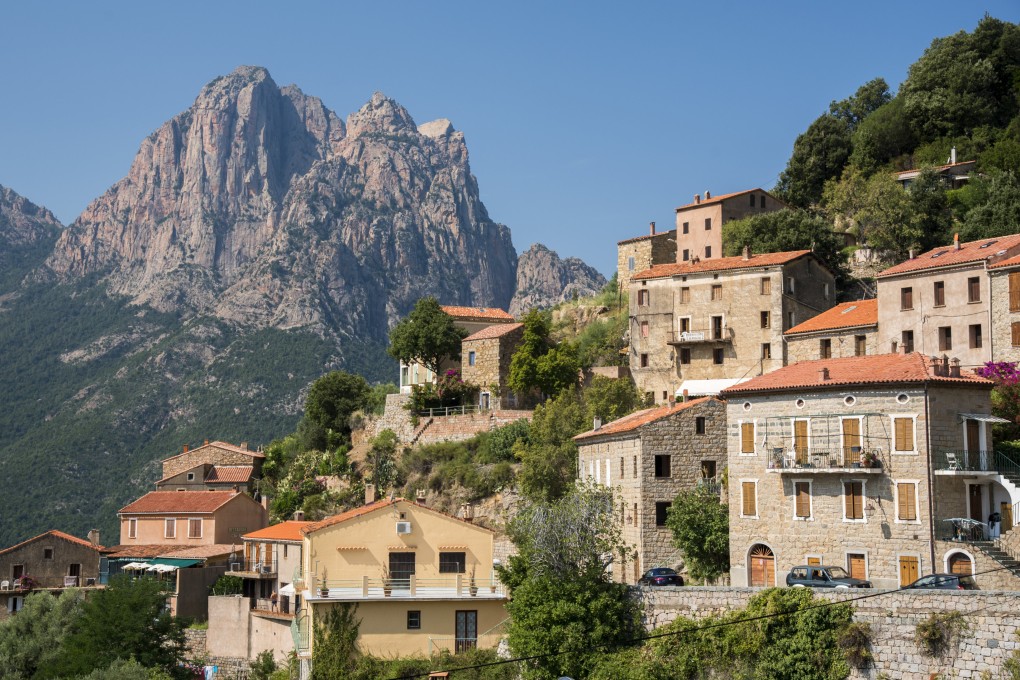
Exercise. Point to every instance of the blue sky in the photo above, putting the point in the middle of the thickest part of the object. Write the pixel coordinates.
(585, 121)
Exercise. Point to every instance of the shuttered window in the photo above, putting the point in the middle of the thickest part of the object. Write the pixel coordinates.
(1015, 328)
(940, 294)
(747, 437)
(802, 492)
(1014, 293)
(749, 505)
(851, 435)
(906, 298)
(906, 504)
(974, 289)
(853, 500)
(904, 428)
(766, 286)
(685, 296)
(800, 439)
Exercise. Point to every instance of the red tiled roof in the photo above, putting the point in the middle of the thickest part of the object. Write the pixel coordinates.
(661, 271)
(903, 174)
(948, 256)
(489, 313)
(378, 505)
(284, 531)
(878, 369)
(645, 237)
(1007, 263)
(156, 502)
(844, 315)
(144, 551)
(723, 197)
(218, 445)
(494, 331)
(636, 420)
(54, 533)
(229, 473)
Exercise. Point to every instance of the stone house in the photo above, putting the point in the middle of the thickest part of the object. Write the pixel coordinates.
(648, 457)
(1004, 282)
(699, 223)
(940, 301)
(471, 320)
(423, 581)
(720, 319)
(872, 463)
(849, 329)
(213, 466)
(485, 362)
(51, 561)
(642, 252)
(953, 174)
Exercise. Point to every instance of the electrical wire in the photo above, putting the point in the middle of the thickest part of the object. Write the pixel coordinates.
(656, 636)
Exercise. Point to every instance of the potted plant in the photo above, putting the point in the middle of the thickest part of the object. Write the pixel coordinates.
(472, 586)
(387, 584)
(869, 459)
(323, 588)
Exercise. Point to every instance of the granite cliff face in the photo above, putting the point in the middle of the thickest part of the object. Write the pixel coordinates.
(23, 223)
(543, 279)
(259, 206)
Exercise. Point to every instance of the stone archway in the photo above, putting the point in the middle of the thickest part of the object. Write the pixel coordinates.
(761, 566)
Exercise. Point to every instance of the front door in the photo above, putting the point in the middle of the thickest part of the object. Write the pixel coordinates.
(908, 570)
(401, 569)
(855, 565)
(763, 567)
(960, 564)
(800, 440)
(851, 439)
(467, 631)
(973, 443)
(1006, 510)
(976, 507)
(483, 402)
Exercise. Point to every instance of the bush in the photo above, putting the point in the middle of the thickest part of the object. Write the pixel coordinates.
(228, 585)
(939, 633)
(855, 643)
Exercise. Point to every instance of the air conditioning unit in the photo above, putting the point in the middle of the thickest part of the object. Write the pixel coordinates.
(235, 566)
(403, 527)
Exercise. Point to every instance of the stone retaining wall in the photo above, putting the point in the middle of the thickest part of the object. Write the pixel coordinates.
(993, 619)
(232, 668)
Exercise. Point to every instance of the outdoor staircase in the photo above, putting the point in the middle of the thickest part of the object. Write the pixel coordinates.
(420, 431)
(994, 551)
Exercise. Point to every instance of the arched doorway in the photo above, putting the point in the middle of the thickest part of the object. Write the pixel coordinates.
(960, 563)
(761, 566)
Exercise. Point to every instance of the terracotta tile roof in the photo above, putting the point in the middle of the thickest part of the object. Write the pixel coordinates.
(284, 531)
(199, 552)
(661, 271)
(635, 420)
(636, 239)
(378, 505)
(53, 533)
(488, 313)
(1007, 263)
(157, 502)
(218, 445)
(907, 174)
(878, 369)
(844, 315)
(948, 256)
(723, 197)
(229, 473)
(144, 551)
(494, 331)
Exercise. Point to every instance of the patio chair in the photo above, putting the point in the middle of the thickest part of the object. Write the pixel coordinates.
(5, 585)
(951, 462)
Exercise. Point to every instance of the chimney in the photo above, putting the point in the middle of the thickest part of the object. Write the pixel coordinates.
(747, 252)
(823, 375)
(419, 496)
(954, 368)
(945, 366)
(299, 515)
(952, 156)
(264, 502)
(651, 228)
(467, 512)
(206, 443)
(244, 446)
(93, 537)
(185, 448)
(708, 194)
(936, 367)
(685, 395)
(369, 493)
(596, 424)
(956, 241)
(911, 254)
(697, 198)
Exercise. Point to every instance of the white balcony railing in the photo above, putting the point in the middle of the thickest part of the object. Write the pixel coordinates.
(459, 586)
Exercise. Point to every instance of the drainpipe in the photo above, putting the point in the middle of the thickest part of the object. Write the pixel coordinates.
(931, 477)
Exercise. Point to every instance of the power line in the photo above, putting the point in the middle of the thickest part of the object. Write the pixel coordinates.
(656, 636)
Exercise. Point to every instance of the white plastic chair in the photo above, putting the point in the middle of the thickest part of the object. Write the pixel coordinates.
(5, 585)
(951, 462)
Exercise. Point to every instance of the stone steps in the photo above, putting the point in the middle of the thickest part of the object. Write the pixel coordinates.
(1003, 558)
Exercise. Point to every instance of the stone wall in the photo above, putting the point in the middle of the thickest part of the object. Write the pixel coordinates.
(395, 417)
(1003, 318)
(212, 455)
(992, 619)
(646, 251)
(463, 427)
(807, 346)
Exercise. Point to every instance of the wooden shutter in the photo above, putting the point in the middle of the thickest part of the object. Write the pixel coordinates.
(852, 497)
(1014, 293)
(906, 298)
(904, 428)
(749, 506)
(800, 439)
(906, 502)
(747, 437)
(974, 289)
(803, 494)
(851, 435)
(1015, 328)
(814, 561)
(908, 570)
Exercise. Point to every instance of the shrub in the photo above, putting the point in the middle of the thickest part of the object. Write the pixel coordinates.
(228, 585)
(855, 643)
(939, 633)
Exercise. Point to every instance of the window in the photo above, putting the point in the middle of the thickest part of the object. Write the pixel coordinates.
(907, 338)
(860, 345)
(621, 467)
(414, 619)
(857, 565)
(717, 327)
(661, 511)
(687, 254)
(802, 500)
(132, 528)
(471, 354)
(685, 355)
(47, 553)
(800, 439)
(717, 291)
(708, 224)
(975, 336)
(195, 528)
(825, 348)
(940, 293)
(789, 285)
(699, 425)
(1014, 292)
(685, 295)
(635, 518)
(906, 298)
(708, 469)
(1015, 333)
(452, 562)
(17, 571)
(644, 361)
(752, 200)
(746, 438)
(642, 298)
(791, 319)
(687, 227)
(748, 499)
(191, 476)
(685, 324)
(708, 252)
(635, 466)
(903, 429)
(853, 501)
(825, 289)
(762, 202)
(765, 319)
(974, 289)
(404, 375)
(766, 350)
(630, 264)
(644, 334)
(906, 501)
(717, 355)
(665, 395)
(766, 286)
(945, 338)
(170, 528)
(662, 466)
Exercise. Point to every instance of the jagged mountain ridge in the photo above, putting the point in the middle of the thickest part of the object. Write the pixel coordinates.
(27, 233)
(544, 279)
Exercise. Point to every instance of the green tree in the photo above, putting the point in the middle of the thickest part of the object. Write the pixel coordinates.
(263, 667)
(382, 459)
(549, 455)
(869, 97)
(609, 399)
(127, 669)
(227, 584)
(335, 652)
(881, 137)
(878, 209)
(988, 206)
(332, 399)
(930, 207)
(426, 336)
(33, 638)
(700, 525)
(819, 154)
(539, 365)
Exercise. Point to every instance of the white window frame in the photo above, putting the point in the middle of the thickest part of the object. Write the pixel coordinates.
(920, 563)
(598, 471)
(867, 561)
(860, 427)
(811, 500)
(690, 322)
(757, 511)
(892, 426)
(609, 471)
(721, 315)
(591, 469)
(133, 528)
(896, 501)
(793, 434)
(169, 522)
(201, 527)
(471, 357)
(740, 437)
(864, 501)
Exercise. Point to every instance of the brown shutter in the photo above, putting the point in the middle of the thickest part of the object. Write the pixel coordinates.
(853, 501)
(856, 565)
(1014, 293)
(904, 434)
(747, 437)
(851, 434)
(800, 438)
(1015, 327)
(905, 502)
(748, 499)
(802, 490)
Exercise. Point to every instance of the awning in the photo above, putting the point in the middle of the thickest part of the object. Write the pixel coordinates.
(982, 417)
(135, 565)
(707, 388)
(174, 562)
(288, 589)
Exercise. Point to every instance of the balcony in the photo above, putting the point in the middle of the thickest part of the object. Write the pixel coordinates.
(264, 608)
(854, 459)
(260, 569)
(715, 334)
(975, 463)
(456, 587)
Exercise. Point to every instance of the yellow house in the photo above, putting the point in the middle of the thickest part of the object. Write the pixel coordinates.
(423, 580)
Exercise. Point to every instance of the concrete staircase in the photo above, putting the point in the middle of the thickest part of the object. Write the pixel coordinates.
(994, 550)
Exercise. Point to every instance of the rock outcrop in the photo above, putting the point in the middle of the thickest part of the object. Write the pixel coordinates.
(23, 224)
(544, 280)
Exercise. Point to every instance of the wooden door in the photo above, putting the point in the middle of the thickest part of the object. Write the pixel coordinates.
(973, 442)
(908, 570)
(800, 440)
(1006, 510)
(977, 510)
(960, 564)
(855, 565)
(763, 567)
(851, 438)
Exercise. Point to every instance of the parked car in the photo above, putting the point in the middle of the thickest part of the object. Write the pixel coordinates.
(945, 582)
(819, 576)
(661, 576)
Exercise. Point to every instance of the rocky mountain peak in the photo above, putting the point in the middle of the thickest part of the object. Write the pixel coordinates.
(380, 115)
(544, 279)
(22, 222)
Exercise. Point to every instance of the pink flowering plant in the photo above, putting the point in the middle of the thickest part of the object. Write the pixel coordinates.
(1005, 396)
